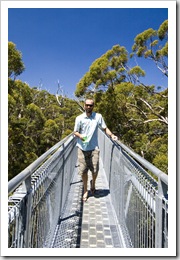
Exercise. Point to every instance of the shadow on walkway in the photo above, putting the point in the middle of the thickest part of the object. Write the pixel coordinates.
(100, 193)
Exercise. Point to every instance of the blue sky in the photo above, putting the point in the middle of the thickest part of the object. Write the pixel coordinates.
(61, 43)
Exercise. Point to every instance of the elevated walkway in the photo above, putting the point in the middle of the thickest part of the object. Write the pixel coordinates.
(100, 226)
(88, 224)
(129, 209)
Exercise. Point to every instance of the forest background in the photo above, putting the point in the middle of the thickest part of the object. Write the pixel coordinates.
(136, 113)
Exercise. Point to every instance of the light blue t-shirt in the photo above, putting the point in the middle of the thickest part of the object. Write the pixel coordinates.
(88, 126)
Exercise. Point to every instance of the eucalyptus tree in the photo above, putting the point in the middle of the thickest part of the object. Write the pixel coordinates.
(15, 63)
(153, 44)
(136, 112)
(50, 134)
(105, 72)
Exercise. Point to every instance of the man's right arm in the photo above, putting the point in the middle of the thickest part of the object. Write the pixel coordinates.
(77, 129)
(77, 134)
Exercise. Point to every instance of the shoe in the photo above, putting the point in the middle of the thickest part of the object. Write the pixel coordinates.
(85, 196)
(92, 189)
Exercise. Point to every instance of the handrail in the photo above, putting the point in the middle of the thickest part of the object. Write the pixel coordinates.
(35, 209)
(142, 204)
(23, 175)
(161, 175)
(157, 172)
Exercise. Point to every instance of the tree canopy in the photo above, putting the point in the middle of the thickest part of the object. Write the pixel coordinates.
(136, 113)
(15, 64)
(36, 123)
(152, 44)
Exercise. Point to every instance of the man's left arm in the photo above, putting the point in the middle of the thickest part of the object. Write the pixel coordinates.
(108, 132)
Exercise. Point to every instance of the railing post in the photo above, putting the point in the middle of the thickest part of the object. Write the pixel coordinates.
(27, 214)
(62, 184)
(162, 190)
(122, 187)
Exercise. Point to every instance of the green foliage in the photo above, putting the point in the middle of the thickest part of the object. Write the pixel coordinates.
(163, 30)
(50, 134)
(161, 162)
(15, 64)
(158, 153)
(141, 41)
(152, 44)
(137, 71)
(36, 123)
(137, 114)
(104, 71)
(163, 51)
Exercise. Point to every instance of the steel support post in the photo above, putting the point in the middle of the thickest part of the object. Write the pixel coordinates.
(162, 190)
(28, 189)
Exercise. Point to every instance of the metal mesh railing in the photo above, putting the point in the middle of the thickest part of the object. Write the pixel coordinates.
(38, 196)
(36, 205)
(139, 200)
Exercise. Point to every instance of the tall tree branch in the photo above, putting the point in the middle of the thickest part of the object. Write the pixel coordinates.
(160, 117)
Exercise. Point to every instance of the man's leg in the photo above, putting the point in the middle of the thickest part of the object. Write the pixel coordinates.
(94, 177)
(85, 179)
(83, 170)
(95, 169)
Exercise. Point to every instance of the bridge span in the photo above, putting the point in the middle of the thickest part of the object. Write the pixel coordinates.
(128, 210)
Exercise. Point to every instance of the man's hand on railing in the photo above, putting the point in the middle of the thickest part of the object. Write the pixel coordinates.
(114, 137)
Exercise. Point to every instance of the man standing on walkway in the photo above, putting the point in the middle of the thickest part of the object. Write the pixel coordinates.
(86, 129)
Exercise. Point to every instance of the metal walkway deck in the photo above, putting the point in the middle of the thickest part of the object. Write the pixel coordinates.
(91, 224)
(129, 209)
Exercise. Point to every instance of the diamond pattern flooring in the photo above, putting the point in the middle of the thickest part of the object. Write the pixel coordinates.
(90, 224)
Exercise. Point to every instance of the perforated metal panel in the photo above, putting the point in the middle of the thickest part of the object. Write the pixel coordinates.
(68, 230)
(48, 211)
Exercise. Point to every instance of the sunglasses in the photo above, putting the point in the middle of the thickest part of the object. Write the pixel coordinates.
(88, 105)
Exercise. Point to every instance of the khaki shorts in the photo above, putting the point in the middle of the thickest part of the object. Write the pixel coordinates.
(88, 160)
